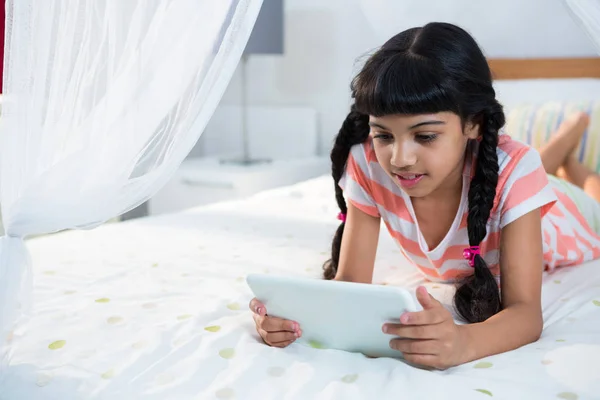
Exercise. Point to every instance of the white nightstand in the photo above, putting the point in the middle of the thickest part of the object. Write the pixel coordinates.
(202, 181)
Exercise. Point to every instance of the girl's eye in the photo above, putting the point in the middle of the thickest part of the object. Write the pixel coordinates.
(426, 138)
(383, 136)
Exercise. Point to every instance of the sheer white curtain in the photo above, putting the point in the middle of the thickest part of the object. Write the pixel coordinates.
(103, 99)
(587, 12)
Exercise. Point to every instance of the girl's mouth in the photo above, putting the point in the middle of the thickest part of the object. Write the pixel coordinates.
(409, 180)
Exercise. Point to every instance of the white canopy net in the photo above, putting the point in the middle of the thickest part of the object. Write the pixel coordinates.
(103, 99)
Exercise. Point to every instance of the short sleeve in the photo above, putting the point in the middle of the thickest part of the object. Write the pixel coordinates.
(356, 181)
(525, 187)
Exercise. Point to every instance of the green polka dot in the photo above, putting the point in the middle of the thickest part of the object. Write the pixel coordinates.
(233, 306)
(109, 374)
(596, 303)
(213, 328)
(567, 396)
(483, 364)
(103, 300)
(276, 371)
(59, 344)
(351, 378)
(225, 393)
(560, 340)
(114, 320)
(227, 354)
(184, 316)
(557, 281)
(315, 345)
(154, 265)
(484, 391)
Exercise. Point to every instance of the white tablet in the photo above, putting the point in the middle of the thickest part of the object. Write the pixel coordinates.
(336, 315)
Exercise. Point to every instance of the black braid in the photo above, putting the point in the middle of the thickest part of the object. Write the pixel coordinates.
(478, 297)
(354, 130)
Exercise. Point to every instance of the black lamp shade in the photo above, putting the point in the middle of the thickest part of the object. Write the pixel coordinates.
(267, 35)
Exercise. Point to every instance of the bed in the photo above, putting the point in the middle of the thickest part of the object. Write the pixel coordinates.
(157, 308)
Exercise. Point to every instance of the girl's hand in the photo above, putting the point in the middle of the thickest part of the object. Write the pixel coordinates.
(275, 332)
(430, 337)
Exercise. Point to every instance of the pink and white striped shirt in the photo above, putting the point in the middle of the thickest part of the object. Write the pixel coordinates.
(522, 187)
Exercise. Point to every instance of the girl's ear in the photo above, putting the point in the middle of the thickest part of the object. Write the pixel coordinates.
(472, 129)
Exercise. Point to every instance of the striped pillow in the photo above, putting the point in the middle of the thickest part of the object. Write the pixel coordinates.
(534, 124)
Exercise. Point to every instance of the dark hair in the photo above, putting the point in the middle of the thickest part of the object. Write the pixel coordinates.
(435, 68)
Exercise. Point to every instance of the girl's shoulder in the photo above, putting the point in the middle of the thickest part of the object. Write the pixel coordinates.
(364, 156)
(515, 156)
(521, 175)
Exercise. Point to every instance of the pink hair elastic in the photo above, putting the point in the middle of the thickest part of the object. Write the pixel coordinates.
(342, 217)
(469, 254)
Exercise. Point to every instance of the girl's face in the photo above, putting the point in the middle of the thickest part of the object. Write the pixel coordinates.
(422, 153)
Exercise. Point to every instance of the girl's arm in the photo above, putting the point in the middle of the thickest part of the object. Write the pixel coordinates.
(521, 265)
(359, 246)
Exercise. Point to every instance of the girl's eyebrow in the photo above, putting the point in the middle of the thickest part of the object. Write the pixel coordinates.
(432, 122)
(376, 125)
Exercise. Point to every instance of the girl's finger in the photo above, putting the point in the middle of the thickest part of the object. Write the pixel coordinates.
(412, 331)
(273, 324)
(257, 307)
(283, 344)
(276, 339)
(418, 346)
(426, 360)
(426, 317)
(279, 337)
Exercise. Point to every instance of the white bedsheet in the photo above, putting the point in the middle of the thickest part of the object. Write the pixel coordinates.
(157, 309)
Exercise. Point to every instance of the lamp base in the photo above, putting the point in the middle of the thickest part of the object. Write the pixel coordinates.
(245, 161)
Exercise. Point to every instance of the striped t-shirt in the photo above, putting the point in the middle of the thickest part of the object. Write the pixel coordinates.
(523, 186)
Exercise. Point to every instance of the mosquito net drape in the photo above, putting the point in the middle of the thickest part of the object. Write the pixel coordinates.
(103, 99)
(587, 12)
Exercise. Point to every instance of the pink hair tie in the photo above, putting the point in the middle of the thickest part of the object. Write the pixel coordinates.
(342, 217)
(469, 254)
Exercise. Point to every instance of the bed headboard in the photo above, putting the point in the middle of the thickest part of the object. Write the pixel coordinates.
(532, 68)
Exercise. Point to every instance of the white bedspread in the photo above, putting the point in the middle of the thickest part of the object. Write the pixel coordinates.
(158, 309)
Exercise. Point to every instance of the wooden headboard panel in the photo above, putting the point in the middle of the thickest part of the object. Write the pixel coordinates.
(531, 68)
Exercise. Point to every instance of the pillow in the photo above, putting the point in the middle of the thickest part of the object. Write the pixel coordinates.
(534, 124)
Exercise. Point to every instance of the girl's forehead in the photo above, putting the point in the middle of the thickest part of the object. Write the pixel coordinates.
(409, 119)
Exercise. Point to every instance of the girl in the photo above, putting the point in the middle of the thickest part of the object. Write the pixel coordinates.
(421, 149)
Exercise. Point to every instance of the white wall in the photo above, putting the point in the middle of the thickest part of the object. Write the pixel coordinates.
(324, 38)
